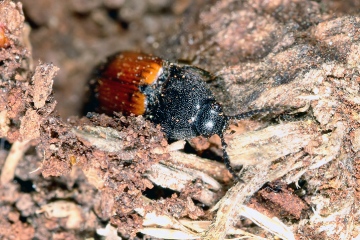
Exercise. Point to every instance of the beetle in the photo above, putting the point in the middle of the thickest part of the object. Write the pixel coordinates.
(175, 97)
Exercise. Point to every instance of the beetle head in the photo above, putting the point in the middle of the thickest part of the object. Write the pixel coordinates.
(211, 120)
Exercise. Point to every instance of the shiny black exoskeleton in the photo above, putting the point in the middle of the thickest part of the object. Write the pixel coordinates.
(186, 108)
(173, 96)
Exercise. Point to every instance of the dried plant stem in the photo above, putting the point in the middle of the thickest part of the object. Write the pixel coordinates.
(15, 155)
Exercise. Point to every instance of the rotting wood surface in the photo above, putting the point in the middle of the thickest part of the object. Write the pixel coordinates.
(288, 55)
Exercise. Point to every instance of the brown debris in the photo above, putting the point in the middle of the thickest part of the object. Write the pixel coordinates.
(282, 202)
(71, 175)
(43, 82)
(14, 106)
(30, 125)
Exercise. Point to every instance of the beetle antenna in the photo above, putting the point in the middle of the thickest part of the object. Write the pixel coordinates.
(227, 163)
(240, 116)
(252, 113)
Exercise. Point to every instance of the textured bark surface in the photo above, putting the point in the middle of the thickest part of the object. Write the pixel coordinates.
(70, 176)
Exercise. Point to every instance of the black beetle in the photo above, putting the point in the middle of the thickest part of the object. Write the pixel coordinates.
(174, 96)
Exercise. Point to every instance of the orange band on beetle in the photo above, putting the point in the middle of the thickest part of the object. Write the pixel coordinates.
(120, 79)
(151, 73)
(180, 101)
(115, 96)
(136, 68)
